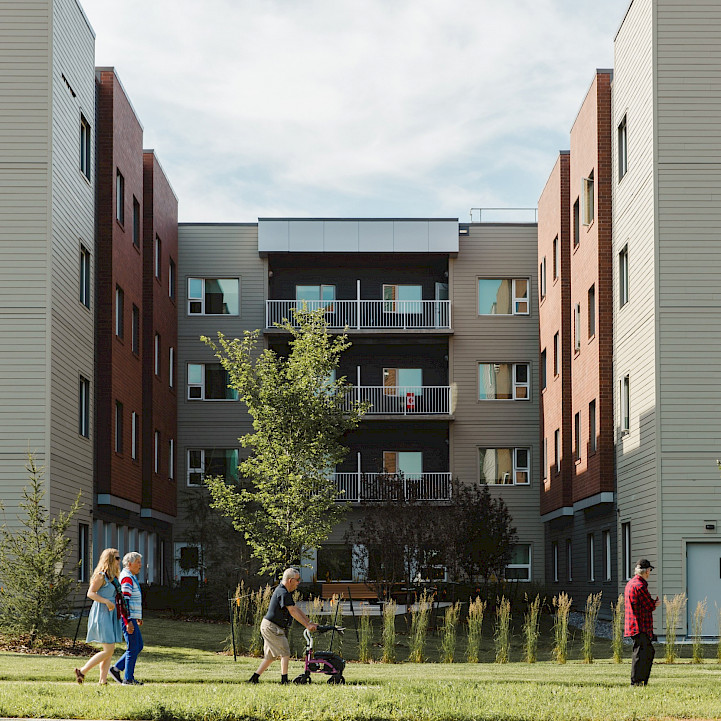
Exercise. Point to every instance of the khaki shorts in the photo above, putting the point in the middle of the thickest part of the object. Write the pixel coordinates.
(276, 640)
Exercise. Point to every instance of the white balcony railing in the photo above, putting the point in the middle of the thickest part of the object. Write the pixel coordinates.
(374, 487)
(369, 314)
(403, 400)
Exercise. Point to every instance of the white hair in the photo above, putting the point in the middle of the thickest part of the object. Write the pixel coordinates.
(638, 570)
(290, 573)
(131, 557)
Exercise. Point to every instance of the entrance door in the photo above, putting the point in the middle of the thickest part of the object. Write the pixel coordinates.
(703, 581)
(441, 308)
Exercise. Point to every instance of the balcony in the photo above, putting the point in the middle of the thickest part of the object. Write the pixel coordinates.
(375, 487)
(372, 315)
(403, 400)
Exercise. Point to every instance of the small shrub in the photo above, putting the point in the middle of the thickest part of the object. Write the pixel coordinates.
(389, 632)
(562, 604)
(593, 605)
(530, 629)
(699, 615)
(476, 610)
(502, 636)
(261, 601)
(365, 638)
(617, 612)
(674, 607)
(450, 624)
(419, 628)
(240, 606)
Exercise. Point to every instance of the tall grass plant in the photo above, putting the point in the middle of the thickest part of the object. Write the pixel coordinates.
(674, 606)
(618, 618)
(530, 629)
(476, 611)
(502, 635)
(450, 626)
(389, 632)
(562, 604)
(420, 616)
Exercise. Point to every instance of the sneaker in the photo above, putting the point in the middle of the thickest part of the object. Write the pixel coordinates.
(115, 674)
(132, 682)
(253, 679)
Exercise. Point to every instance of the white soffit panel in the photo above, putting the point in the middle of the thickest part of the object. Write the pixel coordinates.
(273, 235)
(341, 236)
(305, 236)
(443, 236)
(375, 236)
(410, 236)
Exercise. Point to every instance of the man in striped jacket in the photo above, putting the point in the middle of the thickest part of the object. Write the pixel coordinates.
(132, 563)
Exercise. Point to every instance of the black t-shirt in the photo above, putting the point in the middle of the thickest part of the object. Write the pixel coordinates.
(278, 609)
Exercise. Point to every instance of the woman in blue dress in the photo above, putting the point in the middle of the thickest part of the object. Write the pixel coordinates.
(104, 619)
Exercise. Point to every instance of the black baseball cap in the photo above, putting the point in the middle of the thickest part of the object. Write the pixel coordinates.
(645, 564)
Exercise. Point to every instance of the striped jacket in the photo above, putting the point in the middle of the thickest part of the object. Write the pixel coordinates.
(131, 591)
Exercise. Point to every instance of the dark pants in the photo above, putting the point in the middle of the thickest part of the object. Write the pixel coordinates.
(641, 660)
(135, 645)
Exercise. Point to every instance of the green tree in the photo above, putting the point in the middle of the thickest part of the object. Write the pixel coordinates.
(35, 590)
(286, 500)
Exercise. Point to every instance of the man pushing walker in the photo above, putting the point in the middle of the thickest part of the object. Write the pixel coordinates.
(275, 625)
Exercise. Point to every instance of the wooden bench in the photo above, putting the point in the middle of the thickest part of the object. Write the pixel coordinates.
(358, 591)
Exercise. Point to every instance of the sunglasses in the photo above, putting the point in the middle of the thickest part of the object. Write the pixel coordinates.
(117, 558)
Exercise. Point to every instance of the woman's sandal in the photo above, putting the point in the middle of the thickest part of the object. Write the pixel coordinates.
(79, 675)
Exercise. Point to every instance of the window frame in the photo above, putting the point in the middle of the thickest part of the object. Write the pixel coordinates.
(134, 435)
(136, 223)
(189, 469)
(156, 452)
(83, 552)
(515, 384)
(171, 459)
(591, 550)
(158, 258)
(172, 279)
(542, 278)
(84, 407)
(543, 370)
(86, 145)
(201, 299)
(626, 549)
(625, 404)
(119, 428)
(623, 277)
(557, 450)
(119, 312)
(577, 222)
(622, 137)
(588, 195)
(517, 468)
(119, 197)
(577, 328)
(521, 566)
(591, 297)
(607, 556)
(395, 301)
(556, 258)
(592, 428)
(545, 458)
(556, 354)
(554, 553)
(577, 436)
(85, 293)
(171, 367)
(516, 300)
(202, 385)
(157, 355)
(569, 560)
(135, 330)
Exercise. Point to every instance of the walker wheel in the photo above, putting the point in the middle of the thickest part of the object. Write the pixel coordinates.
(302, 679)
(336, 678)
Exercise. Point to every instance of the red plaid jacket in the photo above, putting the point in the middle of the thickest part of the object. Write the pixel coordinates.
(638, 608)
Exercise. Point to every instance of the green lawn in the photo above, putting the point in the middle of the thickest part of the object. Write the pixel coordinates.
(186, 678)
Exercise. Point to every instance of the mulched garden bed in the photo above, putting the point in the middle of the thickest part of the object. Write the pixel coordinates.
(47, 647)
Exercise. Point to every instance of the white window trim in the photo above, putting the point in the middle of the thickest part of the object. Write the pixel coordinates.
(157, 354)
(625, 404)
(157, 256)
(119, 197)
(577, 327)
(516, 467)
(577, 422)
(557, 449)
(156, 454)
(171, 367)
(201, 385)
(528, 565)
(622, 139)
(555, 561)
(569, 559)
(626, 549)
(515, 384)
(623, 279)
(192, 469)
(85, 290)
(201, 299)
(545, 458)
(119, 311)
(134, 436)
(608, 554)
(591, 557)
(587, 203)
(556, 257)
(542, 280)
(516, 299)
(171, 459)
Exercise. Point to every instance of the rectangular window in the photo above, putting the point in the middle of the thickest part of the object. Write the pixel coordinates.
(118, 427)
(156, 453)
(519, 566)
(544, 470)
(556, 354)
(209, 382)
(590, 542)
(401, 298)
(84, 276)
(119, 311)
(625, 404)
(213, 296)
(569, 559)
(556, 258)
(503, 381)
(592, 311)
(158, 257)
(542, 278)
(626, 550)
(555, 561)
(84, 407)
(576, 223)
(135, 330)
(543, 369)
(577, 327)
(317, 296)
(503, 296)
(157, 354)
(83, 552)
(85, 146)
(171, 459)
(119, 198)
(557, 449)
(577, 436)
(592, 427)
(210, 463)
(401, 381)
(171, 368)
(588, 199)
(622, 149)
(409, 463)
(136, 222)
(134, 435)
(607, 556)
(171, 279)
(505, 466)
(623, 277)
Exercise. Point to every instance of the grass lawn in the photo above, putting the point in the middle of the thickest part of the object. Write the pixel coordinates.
(186, 678)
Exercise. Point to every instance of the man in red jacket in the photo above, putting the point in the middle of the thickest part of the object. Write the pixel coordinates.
(639, 608)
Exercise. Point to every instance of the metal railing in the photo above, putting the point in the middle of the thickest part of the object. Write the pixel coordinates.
(506, 215)
(368, 314)
(373, 487)
(402, 400)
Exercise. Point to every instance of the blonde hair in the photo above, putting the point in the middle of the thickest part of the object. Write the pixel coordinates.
(108, 564)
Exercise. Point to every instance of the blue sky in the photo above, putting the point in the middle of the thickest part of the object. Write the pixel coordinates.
(355, 108)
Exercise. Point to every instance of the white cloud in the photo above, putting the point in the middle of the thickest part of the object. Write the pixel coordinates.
(337, 107)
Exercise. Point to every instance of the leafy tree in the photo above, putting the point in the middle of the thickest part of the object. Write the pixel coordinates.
(35, 590)
(286, 501)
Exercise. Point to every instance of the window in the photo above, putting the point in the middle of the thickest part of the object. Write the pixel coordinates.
(576, 224)
(212, 462)
(505, 466)
(85, 146)
(555, 561)
(542, 278)
(316, 296)
(119, 198)
(213, 296)
(626, 536)
(622, 149)
(335, 562)
(119, 311)
(591, 557)
(400, 381)
(209, 382)
(136, 222)
(569, 559)
(156, 453)
(83, 552)
(171, 279)
(84, 407)
(171, 367)
(503, 381)
(135, 330)
(577, 436)
(402, 298)
(171, 459)
(608, 558)
(625, 404)
(84, 276)
(588, 199)
(592, 311)
(503, 296)
(592, 427)
(556, 354)
(157, 354)
(544, 470)
(543, 369)
(577, 327)
(409, 463)
(557, 449)
(519, 566)
(118, 427)
(556, 258)
(623, 277)
(134, 435)
(158, 257)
